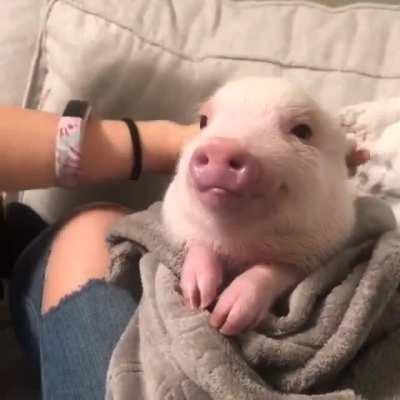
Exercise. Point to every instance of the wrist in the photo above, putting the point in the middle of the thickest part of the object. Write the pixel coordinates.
(162, 142)
(106, 151)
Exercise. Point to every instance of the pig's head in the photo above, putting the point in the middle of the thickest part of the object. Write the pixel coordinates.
(265, 180)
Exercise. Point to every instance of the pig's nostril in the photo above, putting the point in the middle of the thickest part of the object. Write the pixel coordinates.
(236, 164)
(202, 159)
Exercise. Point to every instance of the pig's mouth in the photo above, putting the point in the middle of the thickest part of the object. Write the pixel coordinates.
(220, 191)
(218, 196)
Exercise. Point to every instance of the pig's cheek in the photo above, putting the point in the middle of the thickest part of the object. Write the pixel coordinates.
(182, 174)
(182, 181)
(302, 180)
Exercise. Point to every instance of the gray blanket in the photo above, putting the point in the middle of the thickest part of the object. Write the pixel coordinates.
(339, 337)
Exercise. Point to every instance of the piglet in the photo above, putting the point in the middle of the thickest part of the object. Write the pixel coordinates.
(259, 199)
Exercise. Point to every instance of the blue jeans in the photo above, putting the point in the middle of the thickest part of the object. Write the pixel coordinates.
(73, 342)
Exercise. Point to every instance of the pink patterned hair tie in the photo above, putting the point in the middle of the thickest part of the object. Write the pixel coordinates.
(70, 132)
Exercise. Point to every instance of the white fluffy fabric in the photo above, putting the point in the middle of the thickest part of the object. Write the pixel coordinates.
(380, 176)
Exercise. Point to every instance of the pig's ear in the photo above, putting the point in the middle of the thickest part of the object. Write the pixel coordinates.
(355, 157)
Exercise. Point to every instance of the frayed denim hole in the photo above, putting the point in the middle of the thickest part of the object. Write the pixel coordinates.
(79, 291)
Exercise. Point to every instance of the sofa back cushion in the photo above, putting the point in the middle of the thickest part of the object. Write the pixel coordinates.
(157, 59)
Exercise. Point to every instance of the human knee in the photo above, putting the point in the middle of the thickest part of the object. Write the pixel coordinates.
(86, 230)
(83, 237)
(79, 253)
(94, 217)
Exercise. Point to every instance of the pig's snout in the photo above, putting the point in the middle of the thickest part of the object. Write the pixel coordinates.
(223, 165)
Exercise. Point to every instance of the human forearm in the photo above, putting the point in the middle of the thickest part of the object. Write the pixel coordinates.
(27, 140)
(107, 148)
(26, 148)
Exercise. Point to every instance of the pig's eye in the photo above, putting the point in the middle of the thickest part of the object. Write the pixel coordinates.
(203, 121)
(302, 131)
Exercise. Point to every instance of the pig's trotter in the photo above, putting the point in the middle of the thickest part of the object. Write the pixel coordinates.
(201, 276)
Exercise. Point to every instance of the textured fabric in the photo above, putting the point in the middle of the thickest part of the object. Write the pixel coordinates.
(159, 59)
(380, 177)
(342, 3)
(375, 126)
(336, 317)
(19, 27)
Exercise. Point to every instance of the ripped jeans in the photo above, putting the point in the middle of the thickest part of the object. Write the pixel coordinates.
(73, 342)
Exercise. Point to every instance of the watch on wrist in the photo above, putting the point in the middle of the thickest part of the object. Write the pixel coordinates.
(70, 132)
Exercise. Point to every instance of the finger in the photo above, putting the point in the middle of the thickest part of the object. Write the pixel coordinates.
(221, 310)
(239, 319)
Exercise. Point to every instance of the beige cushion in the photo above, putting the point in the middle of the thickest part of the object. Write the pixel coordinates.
(158, 59)
(19, 25)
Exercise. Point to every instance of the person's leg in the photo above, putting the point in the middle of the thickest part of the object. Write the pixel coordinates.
(79, 253)
(77, 318)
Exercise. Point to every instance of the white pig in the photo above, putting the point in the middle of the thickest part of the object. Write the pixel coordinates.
(260, 198)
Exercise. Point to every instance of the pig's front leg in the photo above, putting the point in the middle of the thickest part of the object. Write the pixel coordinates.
(201, 277)
(249, 297)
